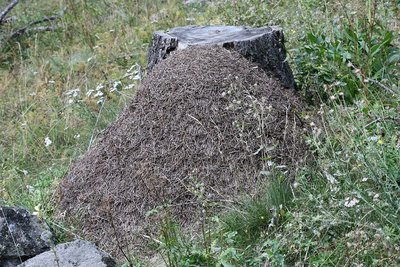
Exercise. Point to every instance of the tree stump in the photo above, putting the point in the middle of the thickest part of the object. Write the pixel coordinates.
(264, 46)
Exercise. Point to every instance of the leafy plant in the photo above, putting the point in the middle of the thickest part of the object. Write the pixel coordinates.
(358, 56)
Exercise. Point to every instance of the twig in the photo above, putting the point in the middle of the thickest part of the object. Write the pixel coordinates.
(45, 19)
(365, 79)
(7, 9)
(153, 239)
(378, 120)
(34, 29)
(381, 85)
(116, 233)
(8, 19)
(28, 28)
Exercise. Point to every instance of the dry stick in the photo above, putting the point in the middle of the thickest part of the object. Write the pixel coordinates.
(8, 19)
(36, 29)
(7, 9)
(108, 210)
(365, 79)
(381, 85)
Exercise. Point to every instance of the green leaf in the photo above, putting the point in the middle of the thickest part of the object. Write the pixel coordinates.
(394, 58)
(312, 38)
(351, 34)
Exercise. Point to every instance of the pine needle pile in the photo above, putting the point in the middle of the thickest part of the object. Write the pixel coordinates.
(204, 116)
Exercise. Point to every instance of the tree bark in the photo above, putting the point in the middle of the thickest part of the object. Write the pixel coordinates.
(264, 46)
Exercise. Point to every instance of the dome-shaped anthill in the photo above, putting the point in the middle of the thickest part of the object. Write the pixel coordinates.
(204, 116)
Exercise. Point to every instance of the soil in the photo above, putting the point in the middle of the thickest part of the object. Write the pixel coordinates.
(205, 126)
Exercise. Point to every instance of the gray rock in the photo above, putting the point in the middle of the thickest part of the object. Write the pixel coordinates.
(78, 253)
(22, 236)
(264, 46)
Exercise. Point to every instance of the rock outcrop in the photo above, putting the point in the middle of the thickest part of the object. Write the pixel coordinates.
(22, 236)
(78, 253)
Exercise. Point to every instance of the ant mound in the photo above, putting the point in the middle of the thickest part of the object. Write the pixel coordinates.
(205, 125)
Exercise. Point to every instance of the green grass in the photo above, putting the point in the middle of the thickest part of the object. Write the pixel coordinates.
(57, 85)
(347, 206)
(342, 209)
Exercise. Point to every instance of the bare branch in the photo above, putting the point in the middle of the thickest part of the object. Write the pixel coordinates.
(28, 28)
(45, 19)
(34, 29)
(8, 19)
(7, 9)
(381, 85)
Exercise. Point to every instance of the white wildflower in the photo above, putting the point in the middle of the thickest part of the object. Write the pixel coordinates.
(99, 87)
(47, 141)
(129, 86)
(373, 138)
(335, 189)
(37, 211)
(99, 94)
(351, 202)
(136, 77)
(91, 58)
(30, 189)
(133, 72)
(132, 68)
(115, 86)
(90, 92)
(73, 92)
(330, 178)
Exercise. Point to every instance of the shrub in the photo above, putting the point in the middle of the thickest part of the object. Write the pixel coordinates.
(359, 56)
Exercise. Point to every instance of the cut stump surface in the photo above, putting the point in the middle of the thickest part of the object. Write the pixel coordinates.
(264, 46)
